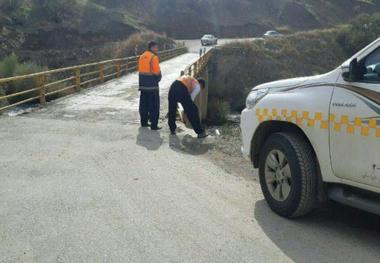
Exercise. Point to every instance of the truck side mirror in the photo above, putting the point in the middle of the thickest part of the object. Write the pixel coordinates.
(352, 74)
(346, 74)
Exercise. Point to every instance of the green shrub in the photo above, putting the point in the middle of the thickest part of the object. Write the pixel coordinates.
(218, 111)
(3, 103)
(359, 33)
(10, 66)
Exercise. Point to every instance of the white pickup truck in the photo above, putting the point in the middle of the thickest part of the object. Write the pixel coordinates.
(318, 138)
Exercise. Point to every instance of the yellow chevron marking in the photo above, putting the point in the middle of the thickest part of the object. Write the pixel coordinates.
(324, 125)
(344, 119)
(365, 131)
(311, 123)
(317, 120)
(358, 122)
(372, 123)
(351, 129)
(318, 116)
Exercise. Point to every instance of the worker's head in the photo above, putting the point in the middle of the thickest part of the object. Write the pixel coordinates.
(202, 82)
(153, 46)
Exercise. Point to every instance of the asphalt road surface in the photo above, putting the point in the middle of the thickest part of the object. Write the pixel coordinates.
(81, 182)
(194, 45)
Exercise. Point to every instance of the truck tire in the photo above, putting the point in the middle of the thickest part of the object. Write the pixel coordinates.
(288, 174)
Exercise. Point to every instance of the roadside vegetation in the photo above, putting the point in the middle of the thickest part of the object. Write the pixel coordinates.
(59, 33)
(11, 66)
(218, 111)
(3, 103)
(61, 57)
(137, 42)
(238, 67)
(56, 58)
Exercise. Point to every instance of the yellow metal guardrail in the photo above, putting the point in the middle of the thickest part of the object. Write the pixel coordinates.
(55, 82)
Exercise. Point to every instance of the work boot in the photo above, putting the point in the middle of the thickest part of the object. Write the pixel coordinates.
(145, 125)
(156, 128)
(202, 135)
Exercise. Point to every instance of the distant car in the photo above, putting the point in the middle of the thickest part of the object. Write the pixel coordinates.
(273, 34)
(208, 40)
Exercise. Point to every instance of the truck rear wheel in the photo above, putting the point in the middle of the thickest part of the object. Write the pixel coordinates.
(288, 174)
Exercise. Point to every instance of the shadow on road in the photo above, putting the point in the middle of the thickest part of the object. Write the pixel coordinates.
(334, 233)
(151, 140)
(188, 145)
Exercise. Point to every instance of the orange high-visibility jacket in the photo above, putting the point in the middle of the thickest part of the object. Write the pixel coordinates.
(149, 71)
(189, 82)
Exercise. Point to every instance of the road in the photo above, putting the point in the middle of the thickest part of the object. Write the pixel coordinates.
(195, 44)
(81, 182)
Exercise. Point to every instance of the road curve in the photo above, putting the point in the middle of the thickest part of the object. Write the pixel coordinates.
(194, 45)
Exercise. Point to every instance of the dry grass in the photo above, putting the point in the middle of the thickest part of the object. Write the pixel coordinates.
(11, 66)
(238, 67)
(135, 42)
(56, 58)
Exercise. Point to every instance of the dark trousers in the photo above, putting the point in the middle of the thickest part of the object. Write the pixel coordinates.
(150, 107)
(178, 93)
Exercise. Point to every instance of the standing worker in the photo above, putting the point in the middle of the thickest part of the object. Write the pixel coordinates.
(184, 91)
(149, 78)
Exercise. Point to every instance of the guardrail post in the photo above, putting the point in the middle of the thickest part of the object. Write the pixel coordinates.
(77, 79)
(118, 69)
(127, 66)
(205, 95)
(41, 84)
(196, 69)
(101, 73)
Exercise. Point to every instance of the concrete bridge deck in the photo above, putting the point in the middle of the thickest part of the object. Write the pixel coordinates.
(81, 182)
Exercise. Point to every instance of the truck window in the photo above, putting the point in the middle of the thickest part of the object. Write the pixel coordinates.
(372, 67)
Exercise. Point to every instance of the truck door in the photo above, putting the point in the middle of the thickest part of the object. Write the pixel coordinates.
(355, 124)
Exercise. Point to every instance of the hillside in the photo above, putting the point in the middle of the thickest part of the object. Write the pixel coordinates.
(238, 67)
(29, 26)
(239, 18)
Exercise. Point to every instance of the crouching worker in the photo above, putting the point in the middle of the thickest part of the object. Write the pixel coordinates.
(184, 91)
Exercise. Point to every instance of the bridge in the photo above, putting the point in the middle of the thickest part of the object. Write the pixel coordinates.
(82, 182)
